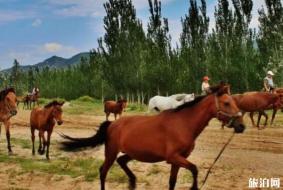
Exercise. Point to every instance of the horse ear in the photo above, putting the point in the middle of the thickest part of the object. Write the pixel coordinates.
(223, 89)
(62, 103)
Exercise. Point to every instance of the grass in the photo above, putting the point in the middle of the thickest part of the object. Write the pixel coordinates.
(155, 169)
(87, 167)
(90, 106)
(24, 143)
(84, 106)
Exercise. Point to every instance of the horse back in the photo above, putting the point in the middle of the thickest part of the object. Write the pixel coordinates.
(255, 101)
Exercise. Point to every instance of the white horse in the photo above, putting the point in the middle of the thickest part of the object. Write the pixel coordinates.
(161, 103)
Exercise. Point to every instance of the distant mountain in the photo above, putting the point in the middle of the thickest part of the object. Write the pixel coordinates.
(55, 62)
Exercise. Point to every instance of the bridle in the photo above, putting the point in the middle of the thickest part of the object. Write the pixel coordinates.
(223, 113)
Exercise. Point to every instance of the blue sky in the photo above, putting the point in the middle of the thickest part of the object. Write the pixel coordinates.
(33, 30)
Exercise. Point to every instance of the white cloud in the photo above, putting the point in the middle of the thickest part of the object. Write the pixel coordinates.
(81, 8)
(55, 47)
(175, 29)
(12, 15)
(37, 22)
(92, 8)
(142, 4)
(52, 47)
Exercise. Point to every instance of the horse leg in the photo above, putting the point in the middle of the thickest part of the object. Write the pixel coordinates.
(48, 143)
(266, 118)
(258, 119)
(273, 115)
(44, 142)
(111, 152)
(115, 116)
(7, 128)
(180, 161)
(40, 133)
(122, 161)
(252, 118)
(107, 115)
(173, 176)
(32, 139)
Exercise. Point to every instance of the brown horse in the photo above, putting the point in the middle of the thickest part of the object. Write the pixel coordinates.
(44, 119)
(169, 136)
(278, 91)
(8, 108)
(256, 102)
(114, 107)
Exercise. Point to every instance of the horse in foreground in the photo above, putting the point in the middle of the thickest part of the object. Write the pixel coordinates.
(257, 102)
(44, 119)
(114, 107)
(169, 136)
(161, 103)
(8, 109)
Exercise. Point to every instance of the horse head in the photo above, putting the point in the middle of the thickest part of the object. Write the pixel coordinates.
(227, 110)
(57, 111)
(10, 100)
(123, 103)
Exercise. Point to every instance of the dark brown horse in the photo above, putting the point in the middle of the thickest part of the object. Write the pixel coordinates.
(8, 109)
(257, 102)
(114, 107)
(44, 119)
(169, 136)
(30, 100)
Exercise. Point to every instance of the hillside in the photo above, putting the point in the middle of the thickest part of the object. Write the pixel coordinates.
(55, 62)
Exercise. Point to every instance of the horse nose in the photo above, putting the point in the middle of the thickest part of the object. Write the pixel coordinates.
(60, 122)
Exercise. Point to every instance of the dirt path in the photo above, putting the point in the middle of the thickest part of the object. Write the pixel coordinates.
(256, 153)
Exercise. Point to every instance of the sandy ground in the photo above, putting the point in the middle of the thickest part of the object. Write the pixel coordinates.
(254, 154)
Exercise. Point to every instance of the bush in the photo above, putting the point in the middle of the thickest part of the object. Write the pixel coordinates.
(44, 101)
(85, 99)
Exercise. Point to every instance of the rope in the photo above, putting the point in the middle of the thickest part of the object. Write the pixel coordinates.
(218, 156)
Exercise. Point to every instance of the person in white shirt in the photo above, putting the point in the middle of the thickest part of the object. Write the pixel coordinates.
(35, 90)
(205, 85)
(268, 83)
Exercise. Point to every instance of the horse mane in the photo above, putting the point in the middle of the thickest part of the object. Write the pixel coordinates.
(53, 103)
(4, 93)
(218, 90)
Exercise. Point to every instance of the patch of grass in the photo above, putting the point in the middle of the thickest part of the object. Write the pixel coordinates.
(117, 175)
(187, 177)
(89, 167)
(154, 170)
(134, 107)
(24, 143)
(84, 106)
(85, 99)
(44, 101)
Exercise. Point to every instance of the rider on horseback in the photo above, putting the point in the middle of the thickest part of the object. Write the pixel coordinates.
(268, 82)
(35, 90)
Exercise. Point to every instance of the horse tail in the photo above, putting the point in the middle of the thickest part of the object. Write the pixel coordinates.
(75, 143)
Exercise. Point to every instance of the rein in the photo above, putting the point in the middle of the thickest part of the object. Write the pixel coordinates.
(218, 156)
